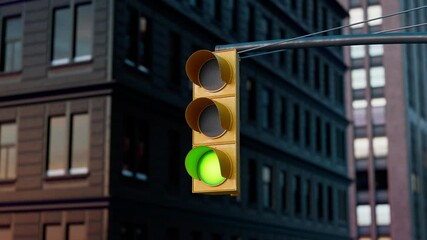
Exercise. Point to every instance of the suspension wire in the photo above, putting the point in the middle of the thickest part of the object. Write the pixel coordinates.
(379, 32)
(400, 28)
(332, 29)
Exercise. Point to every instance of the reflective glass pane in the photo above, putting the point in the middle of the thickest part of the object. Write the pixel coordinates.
(376, 50)
(84, 32)
(17, 56)
(357, 51)
(62, 35)
(380, 146)
(363, 215)
(356, 15)
(377, 75)
(3, 162)
(11, 165)
(358, 78)
(361, 148)
(375, 11)
(8, 133)
(57, 161)
(8, 61)
(80, 144)
(13, 29)
(382, 212)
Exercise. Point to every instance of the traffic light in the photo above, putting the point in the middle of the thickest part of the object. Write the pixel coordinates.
(213, 115)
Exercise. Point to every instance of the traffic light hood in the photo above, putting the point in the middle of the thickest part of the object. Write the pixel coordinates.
(196, 62)
(196, 108)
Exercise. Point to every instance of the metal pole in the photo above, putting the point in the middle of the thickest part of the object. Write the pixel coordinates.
(328, 41)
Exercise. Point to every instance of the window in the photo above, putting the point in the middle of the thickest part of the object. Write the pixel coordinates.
(218, 10)
(252, 96)
(5, 233)
(359, 112)
(174, 58)
(363, 215)
(357, 51)
(284, 117)
(267, 187)
(362, 183)
(72, 34)
(297, 194)
(138, 42)
(283, 55)
(361, 148)
(316, 73)
(375, 11)
(381, 179)
(358, 78)
(11, 45)
(376, 50)
(307, 129)
(53, 232)
(356, 15)
(377, 75)
(319, 201)
(315, 10)
(328, 130)
(251, 23)
(339, 88)
(295, 61)
(235, 15)
(252, 191)
(8, 135)
(308, 197)
(267, 106)
(326, 80)
(136, 140)
(378, 110)
(382, 212)
(380, 146)
(330, 204)
(74, 159)
(296, 123)
(284, 190)
(342, 205)
(76, 232)
(318, 135)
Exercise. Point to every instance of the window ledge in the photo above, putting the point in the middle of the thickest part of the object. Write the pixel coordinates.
(4, 76)
(139, 68)
(7, 181)
(71, 64)
(66, 177)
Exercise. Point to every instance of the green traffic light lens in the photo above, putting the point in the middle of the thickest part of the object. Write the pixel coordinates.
(209, 169)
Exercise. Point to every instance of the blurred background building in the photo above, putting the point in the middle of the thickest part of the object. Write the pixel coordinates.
(92, 129)
(388, 137)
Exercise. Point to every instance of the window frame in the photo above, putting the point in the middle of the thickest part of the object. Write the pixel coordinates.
(68, 145)
(72, 45)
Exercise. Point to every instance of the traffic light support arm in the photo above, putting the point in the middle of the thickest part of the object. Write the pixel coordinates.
(328, 41)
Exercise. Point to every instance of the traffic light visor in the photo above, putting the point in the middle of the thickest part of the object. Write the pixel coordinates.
(208, 117)
(208, 70)
(210, 166)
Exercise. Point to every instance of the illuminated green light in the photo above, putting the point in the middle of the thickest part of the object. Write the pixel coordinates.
(209, 169)
(203, 163)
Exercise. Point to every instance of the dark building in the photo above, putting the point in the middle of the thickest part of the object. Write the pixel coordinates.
(388, 135)
(92, 129)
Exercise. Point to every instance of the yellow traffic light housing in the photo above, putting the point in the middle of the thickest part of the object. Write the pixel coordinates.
(213, 115)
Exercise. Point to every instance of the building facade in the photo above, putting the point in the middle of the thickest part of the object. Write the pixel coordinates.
(387, 141)
(92, 129)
